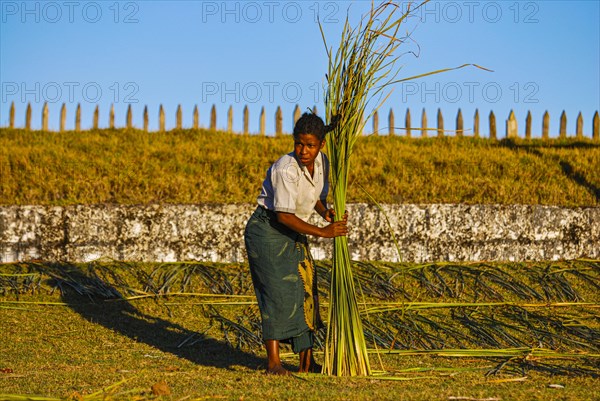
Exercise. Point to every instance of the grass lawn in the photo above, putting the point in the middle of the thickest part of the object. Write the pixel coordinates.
(200, 166)
(68, 331)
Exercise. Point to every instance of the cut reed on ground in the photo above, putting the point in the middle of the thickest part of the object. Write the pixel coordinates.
(506, 319)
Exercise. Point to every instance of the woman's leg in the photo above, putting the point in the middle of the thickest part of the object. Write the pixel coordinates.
(307, 362)
(274, 363)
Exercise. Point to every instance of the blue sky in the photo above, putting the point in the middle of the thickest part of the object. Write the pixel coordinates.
(545, 56)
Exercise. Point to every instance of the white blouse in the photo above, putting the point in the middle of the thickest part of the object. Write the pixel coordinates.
(289, 187)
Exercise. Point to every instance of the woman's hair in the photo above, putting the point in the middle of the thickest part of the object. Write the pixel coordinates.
(311, 123)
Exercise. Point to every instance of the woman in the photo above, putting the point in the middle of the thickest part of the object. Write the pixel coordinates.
(280, 262)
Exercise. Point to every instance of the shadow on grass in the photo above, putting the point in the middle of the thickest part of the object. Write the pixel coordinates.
(567, 168)
(98, 302)
(570, 172)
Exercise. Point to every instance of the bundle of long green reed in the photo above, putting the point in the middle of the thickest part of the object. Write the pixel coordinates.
(361, 68)
(359, 73)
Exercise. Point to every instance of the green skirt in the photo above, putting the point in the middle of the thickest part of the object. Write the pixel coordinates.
(284, 280)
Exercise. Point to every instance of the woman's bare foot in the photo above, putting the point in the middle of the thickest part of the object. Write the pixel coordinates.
(307, 362)
(277, 370)
(274, 363)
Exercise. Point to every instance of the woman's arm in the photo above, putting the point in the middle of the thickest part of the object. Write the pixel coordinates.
(292, 221)
(325, 213)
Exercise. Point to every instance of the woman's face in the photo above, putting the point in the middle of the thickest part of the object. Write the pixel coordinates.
(307, 147)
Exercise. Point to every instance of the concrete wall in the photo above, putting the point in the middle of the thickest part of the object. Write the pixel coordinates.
(215, 233)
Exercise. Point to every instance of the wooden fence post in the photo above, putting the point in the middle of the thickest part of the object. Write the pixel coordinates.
(440, 124)
(278, 122)
(161, 118)
(146, 118)
(459, 124)
(196, 118)
(493, 126)
(512, 130)
(78, 118)
(546, 125)
(376, 123)
(129, 117)
(11, 118)
(230, 119)
(96, 117)
(28, 117)
(45, 117)
(63, 117)
(596, 129)
(178, 117)
(262, 122)
(563, 125)
(315, 110)
(511, 122)
(579, 130)
(111, 117)
(297, 115)
(213, 117)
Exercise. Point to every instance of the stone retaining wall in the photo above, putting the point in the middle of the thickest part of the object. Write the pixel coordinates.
(425, 233)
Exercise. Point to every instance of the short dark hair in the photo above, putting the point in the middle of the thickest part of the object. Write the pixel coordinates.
(310, 123)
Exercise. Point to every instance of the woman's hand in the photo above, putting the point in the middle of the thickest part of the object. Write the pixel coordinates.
(336, 229)
(329, 215)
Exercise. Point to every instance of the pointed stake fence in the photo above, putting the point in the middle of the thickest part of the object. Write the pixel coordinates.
(246, 121)
(129, 117)
(111, 117)
(28, 118)
(78, 118)
(213, 118)
(45, 117)
(63, 117)
(96, 116)
(278, 121)
(512, 129)
(230, 119)
(440, 124)
(11, 123)
(376, 123)
(178, 118)
(511, 122)
(146, 118)
(459, 124)
(263, 122)
(563, 125)
(493, 126)
(161, 118)
(297, 115)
